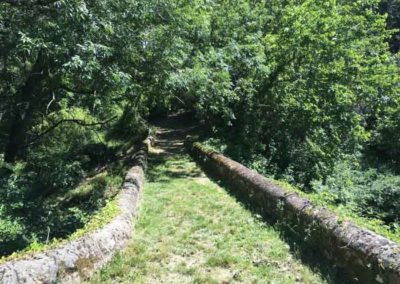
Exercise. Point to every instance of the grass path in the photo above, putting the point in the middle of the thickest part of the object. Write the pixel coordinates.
(190, 230)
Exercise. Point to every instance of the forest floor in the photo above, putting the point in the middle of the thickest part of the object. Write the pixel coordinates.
(190, 230)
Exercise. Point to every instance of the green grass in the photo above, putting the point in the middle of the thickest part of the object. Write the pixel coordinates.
(190, 230)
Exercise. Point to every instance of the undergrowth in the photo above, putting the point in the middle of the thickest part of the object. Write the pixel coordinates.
(86, 220)
(98, 220)
(32, 222)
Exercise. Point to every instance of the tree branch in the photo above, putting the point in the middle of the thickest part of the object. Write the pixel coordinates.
(72, 120)
(49, 104)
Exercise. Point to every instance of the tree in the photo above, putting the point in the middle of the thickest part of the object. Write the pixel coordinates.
(301, 82)
(54, 55)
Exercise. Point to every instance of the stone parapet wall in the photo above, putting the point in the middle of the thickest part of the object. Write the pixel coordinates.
(361, 255)
(79, 259)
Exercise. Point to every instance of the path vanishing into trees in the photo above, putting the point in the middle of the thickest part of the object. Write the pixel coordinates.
(190, 230)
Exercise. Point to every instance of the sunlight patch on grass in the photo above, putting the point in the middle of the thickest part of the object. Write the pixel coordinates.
(192, 231)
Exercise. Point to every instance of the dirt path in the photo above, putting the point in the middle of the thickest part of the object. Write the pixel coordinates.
(190, 230)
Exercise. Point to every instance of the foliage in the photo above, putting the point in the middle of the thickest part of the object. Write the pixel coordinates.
(319, 90)
(392, 8)
(296, 83)
(288, 87)
(384, 148)
(366, 197)
(130, 126)
(42, 201)
(55, 54)
(98, 220)
(65, 79)
(58, 161)
(345, 212)
(369, 193)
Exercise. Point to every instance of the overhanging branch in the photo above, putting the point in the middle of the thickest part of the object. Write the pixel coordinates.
(72, 120)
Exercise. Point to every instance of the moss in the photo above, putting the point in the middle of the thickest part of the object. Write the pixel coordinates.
(102, 218)
(85, 265)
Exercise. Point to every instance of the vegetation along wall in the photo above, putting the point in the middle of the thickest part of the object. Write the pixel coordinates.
(77, 260)
(362, 255)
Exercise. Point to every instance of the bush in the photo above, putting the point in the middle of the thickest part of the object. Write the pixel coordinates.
(130, 126)
(13, 204)
(382, 199)
(367, 192)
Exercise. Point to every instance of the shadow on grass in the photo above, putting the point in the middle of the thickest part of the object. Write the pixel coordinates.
(301, 249)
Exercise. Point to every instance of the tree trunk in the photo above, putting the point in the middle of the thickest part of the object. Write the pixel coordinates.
(27, 101)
